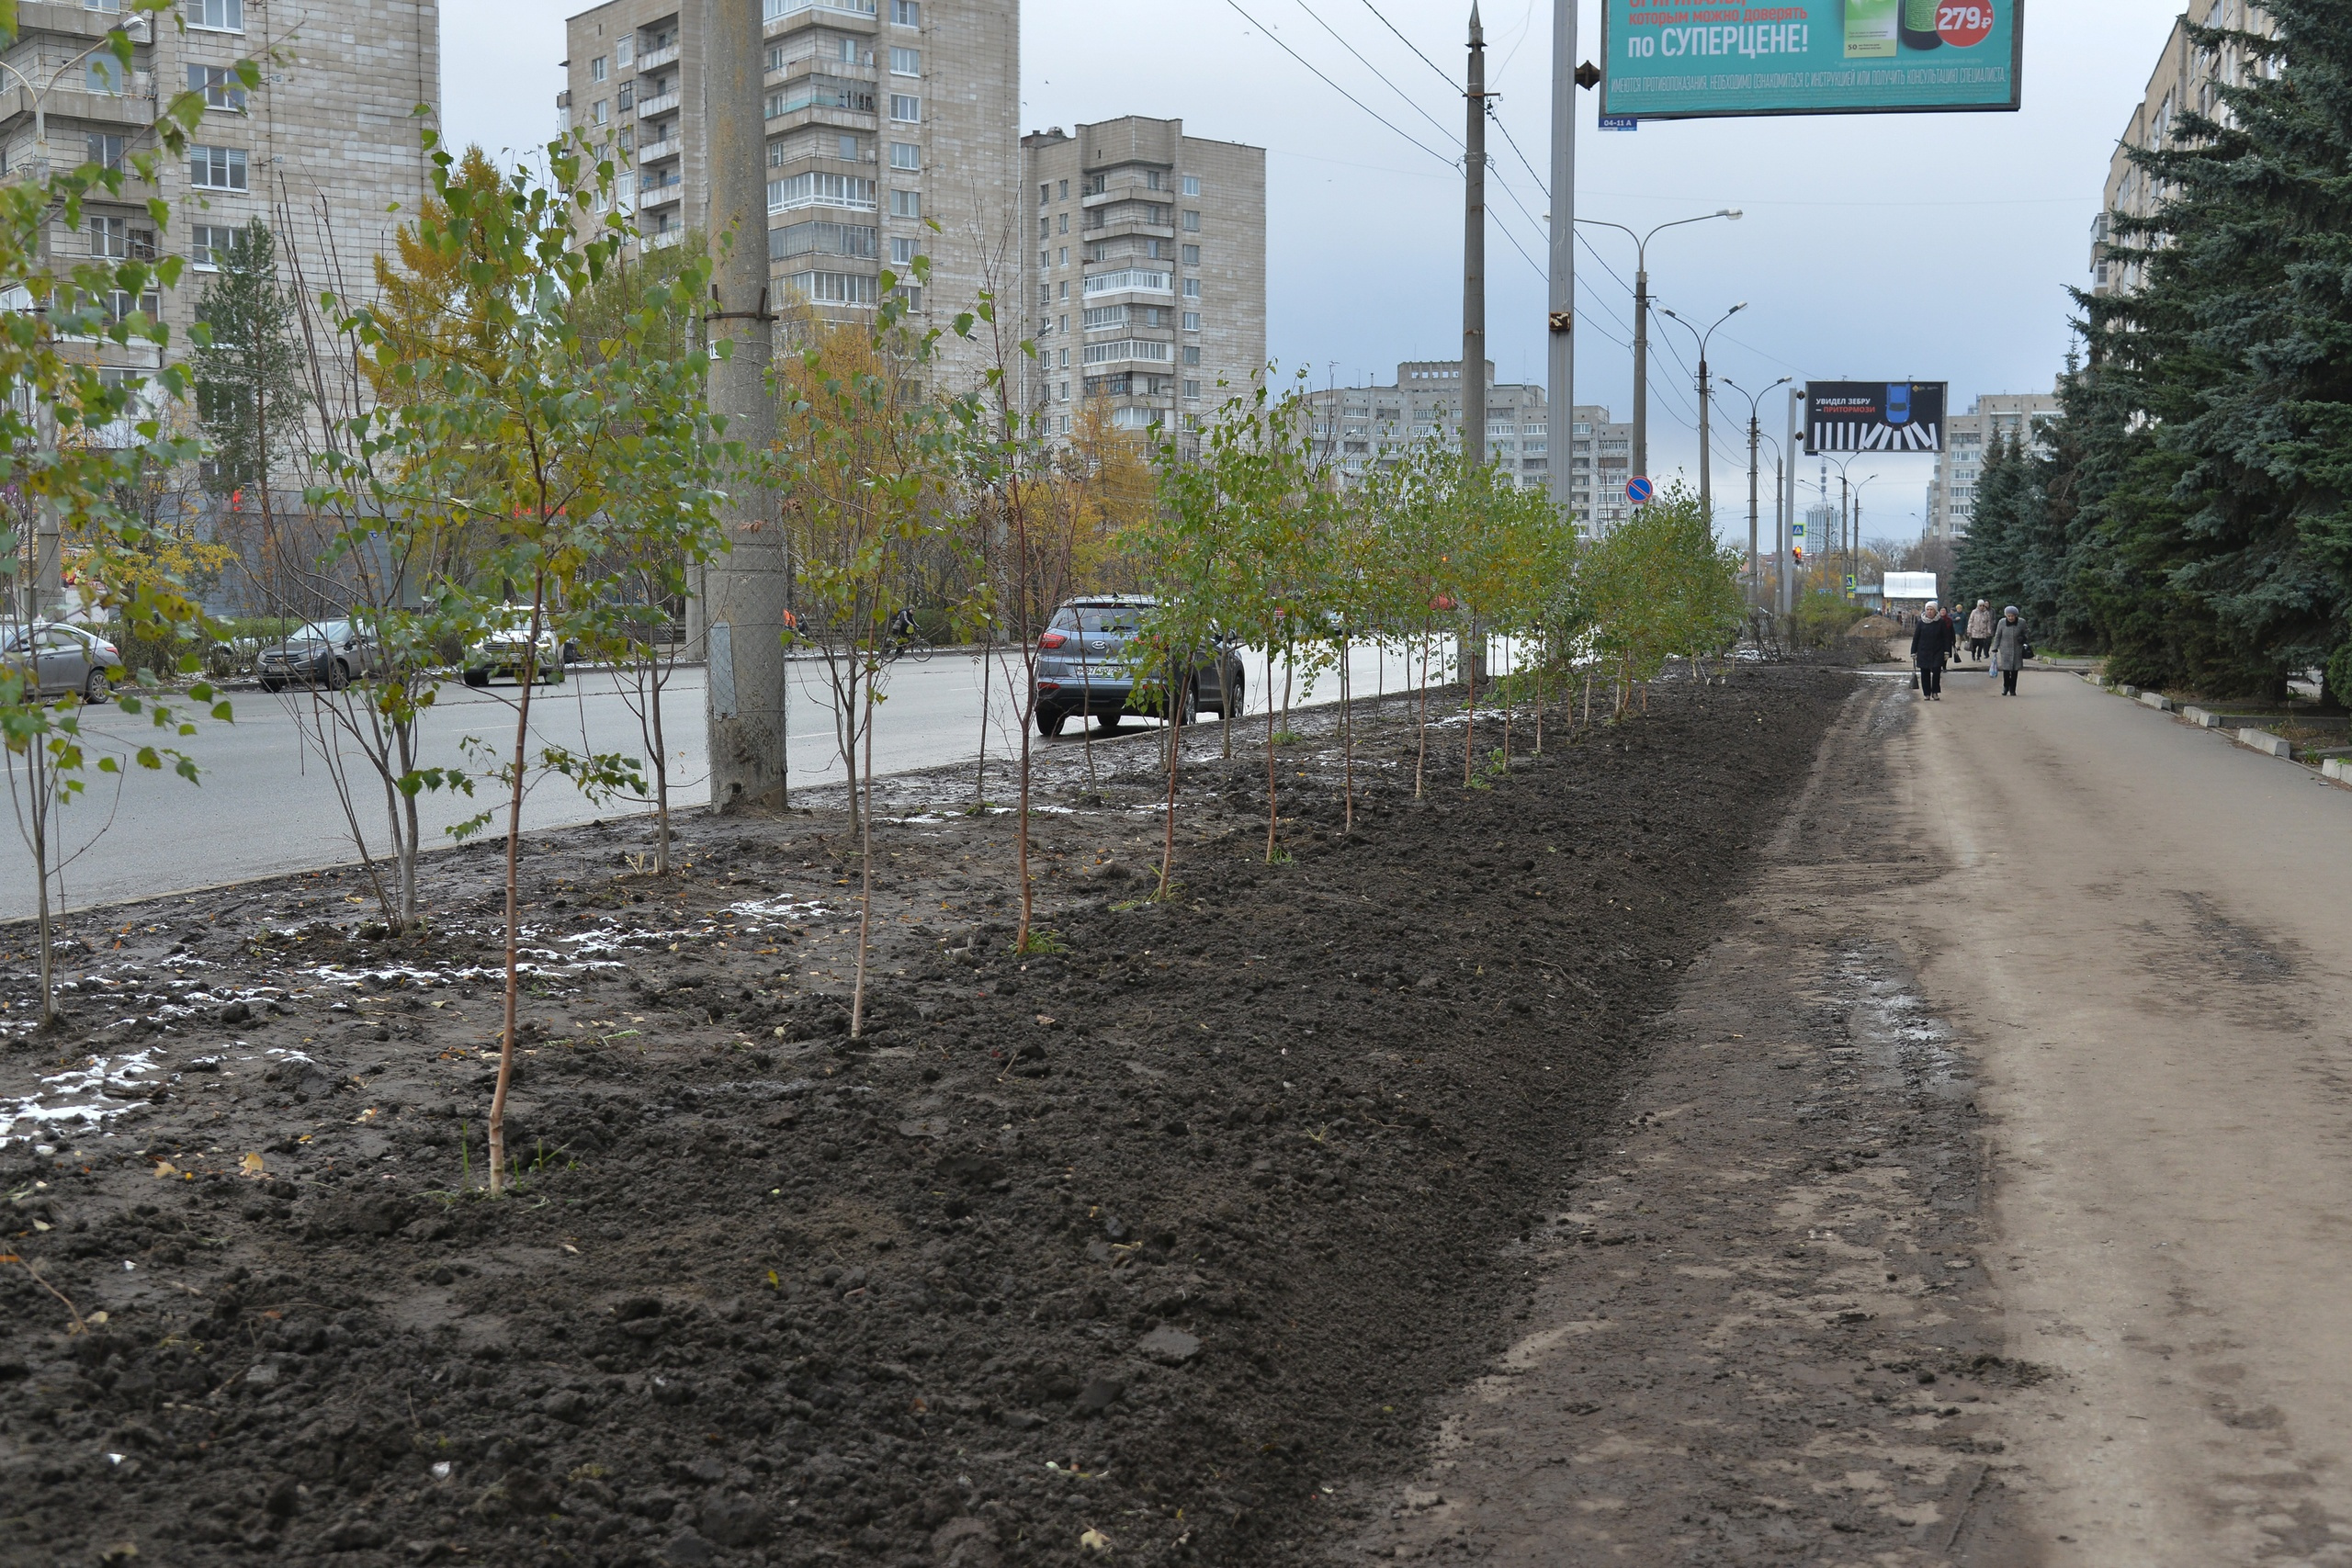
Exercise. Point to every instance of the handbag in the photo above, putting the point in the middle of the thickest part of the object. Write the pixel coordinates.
(1915, 679)
(2025, 651)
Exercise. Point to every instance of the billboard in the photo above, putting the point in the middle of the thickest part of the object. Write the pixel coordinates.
(1873, 416)
(1677, 60)
(1910, 585)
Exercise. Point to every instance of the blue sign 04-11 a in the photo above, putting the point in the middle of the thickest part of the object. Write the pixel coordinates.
(1638, 490)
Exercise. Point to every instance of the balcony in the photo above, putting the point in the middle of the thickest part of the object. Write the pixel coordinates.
(827, 92)
(1126, 351)
(665, 240)
(1130, 280)
(648, 107)
(653, 60)
(779, 16)
(654, 152)
(653, 196)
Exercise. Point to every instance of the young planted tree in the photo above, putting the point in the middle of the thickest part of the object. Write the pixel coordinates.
(866, 454)
(73, 444)
(524, 435)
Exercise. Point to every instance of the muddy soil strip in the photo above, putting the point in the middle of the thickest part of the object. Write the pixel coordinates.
(1157, 1245)
(1762, 1329)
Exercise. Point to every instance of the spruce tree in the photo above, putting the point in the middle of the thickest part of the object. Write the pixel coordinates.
(247, 369)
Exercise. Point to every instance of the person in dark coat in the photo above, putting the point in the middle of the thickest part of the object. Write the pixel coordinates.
(2008, 648)
(1931, 644)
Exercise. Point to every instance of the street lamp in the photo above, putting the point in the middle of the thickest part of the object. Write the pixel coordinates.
(1642, 322)
(1706, 452)
(1755, 430)
(1845, 505)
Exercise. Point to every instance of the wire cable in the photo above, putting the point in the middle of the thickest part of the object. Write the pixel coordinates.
(1377, 71)
(1496, 115)
(1359, 103)
(1409, 43)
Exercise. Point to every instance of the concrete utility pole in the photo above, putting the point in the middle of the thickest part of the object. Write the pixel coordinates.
(745, 589)
(1789, 503)
(1754, 435)
(1642, 324)
(1559, 439)
(1474, 253)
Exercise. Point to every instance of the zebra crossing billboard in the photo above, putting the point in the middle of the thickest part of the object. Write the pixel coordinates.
(1874, 416)
(1693, 60)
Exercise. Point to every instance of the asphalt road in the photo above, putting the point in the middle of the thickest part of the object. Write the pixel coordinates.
(267, 803)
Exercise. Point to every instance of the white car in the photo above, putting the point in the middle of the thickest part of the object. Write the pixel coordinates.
(506, 648)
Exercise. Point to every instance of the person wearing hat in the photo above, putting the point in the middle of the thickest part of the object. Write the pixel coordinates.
(2009, 649)
(1980, 629)
(1931, 644)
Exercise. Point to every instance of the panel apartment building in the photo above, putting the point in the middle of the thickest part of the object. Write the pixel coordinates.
(1147, 273)
(884, 118)
(2010, 416)
(320, 151)
(1356, 427)
(2186, 78)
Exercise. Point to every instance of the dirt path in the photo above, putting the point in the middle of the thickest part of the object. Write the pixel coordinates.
(2147, 944)
(1986, 1198)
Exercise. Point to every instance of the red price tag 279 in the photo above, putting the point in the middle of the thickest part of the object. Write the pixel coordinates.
(1960, 26)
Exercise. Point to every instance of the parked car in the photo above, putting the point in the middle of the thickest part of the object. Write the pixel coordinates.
(1082, 669)
(65, 661)
(502, 650)
(319, 653)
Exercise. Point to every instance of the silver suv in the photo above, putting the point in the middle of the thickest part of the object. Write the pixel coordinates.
(1082, 668)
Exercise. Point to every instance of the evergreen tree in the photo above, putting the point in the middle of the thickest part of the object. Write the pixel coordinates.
(2229, 528)
(1988, 555)
(249, 397)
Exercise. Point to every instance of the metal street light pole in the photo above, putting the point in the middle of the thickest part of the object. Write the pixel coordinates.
(1642, 322)
(1474, 253)
(1706, 392)
(1755, 433)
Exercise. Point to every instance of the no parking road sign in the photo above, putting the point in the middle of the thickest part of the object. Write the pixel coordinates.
(1638, 490)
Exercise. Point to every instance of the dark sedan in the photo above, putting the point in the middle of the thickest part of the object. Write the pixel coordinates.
(323, 653)
(1082, 668)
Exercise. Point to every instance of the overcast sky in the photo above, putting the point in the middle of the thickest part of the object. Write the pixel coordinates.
(1931, 247)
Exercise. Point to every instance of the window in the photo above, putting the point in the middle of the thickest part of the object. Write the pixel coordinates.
(821, 92)
(1191, 256)
(600, 113)
(1192, 353)
(1191, 288)
(216, 168)
(120, 306)
(906, 61)
(903, 250)
(1043, 228)
(1065, 291)
(102, 74)
(628, 96)
(1065, 359)
(216, 15)
(847, 146)
(1133, 277)
(1192, 185)
(1065, 261)
(1192, 391)
(906, 204)
(1151, 180)
(1192, 222)
(1126, 348)
(837, 288)
(1107, 317)
(1191, 321)
(596, 69)
(906, 108)
(1064, 222)
(1064, 186)
(211, 246)
(624, 50)
(110, 237)
(105, 150)
(906, 14)
(905, 156)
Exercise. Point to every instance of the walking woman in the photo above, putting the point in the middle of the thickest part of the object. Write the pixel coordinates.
(1931, 645)
(2009, 646)
(1980, 629)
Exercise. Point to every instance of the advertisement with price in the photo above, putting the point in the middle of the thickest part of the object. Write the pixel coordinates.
(1678, 59)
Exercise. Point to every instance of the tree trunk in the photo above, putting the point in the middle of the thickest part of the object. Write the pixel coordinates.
(513, 890)
(1469, 668)
(1273, 808)
(1347, 744)
(1168, 815)
(1422, 756)
(866, 875)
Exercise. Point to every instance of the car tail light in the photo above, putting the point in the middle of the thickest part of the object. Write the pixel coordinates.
(1052, 639)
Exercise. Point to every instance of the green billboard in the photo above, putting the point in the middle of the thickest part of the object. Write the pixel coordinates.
(1675, 60)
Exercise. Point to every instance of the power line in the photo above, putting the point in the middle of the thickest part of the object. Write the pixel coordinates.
(1359, 103)
(1498, 119)
(1376, 72)
(1409, 43)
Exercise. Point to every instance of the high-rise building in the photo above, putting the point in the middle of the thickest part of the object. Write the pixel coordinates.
(1147, 280)
(2009, 417)
(2185, 79)
(325, 151)
(1356, 427)
(892, 132)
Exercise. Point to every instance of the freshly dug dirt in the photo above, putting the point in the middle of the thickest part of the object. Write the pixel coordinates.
(1143, 1251)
